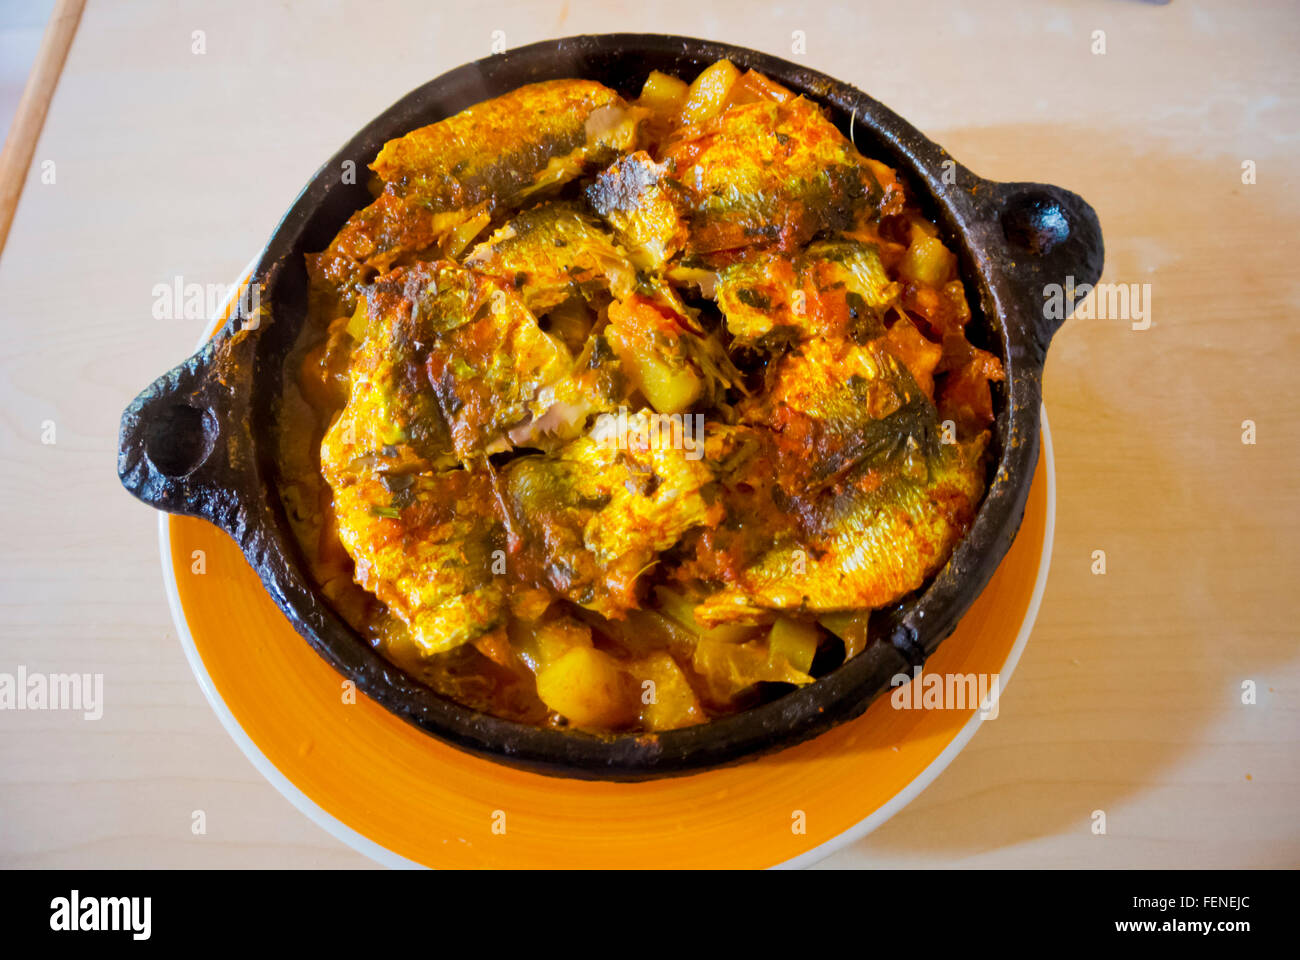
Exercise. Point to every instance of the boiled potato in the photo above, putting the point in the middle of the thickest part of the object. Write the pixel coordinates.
(669, 389)
(666, 698)
(709, 92)
(663, 95)
(540, 644)
(589, 689)
(927, 260)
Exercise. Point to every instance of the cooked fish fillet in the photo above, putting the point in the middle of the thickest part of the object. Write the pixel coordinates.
(462, 170)
(867, 501)
(768, 174)
(833, 405)
(554, 251)
(424, 545)
(392, 419)
(561, 411)
(832, 289)
(874, 541)
(594, 517)
(450, 361)
(489, 373)
(495, 150)
(638, 199)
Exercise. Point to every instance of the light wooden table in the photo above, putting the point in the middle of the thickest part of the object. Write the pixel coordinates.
(1128, 699)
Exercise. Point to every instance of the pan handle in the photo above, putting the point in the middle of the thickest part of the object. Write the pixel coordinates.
(1047, 243)
(185, 444)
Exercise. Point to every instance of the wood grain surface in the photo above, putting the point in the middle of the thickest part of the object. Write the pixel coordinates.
(29, 117)
(170, 163)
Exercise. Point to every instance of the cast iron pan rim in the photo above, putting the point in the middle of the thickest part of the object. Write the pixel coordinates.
(838, 696)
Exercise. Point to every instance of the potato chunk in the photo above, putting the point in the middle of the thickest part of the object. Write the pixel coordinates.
(663, 95)
(588, 688)
(666, 698)
(709, 92)
(927, 260)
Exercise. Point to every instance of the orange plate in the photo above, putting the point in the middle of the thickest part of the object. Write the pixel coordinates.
(390, 789)
(406, 799)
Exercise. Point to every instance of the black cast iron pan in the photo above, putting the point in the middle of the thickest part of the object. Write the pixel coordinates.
(199, 441)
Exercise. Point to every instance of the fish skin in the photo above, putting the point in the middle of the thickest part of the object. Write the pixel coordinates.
(493, 151)
(865, 501)
(638, 199)
(835, 404)
(836, 289)
(487, 158)
(450, 361)
(489, 373)
(551, 252)
(431, 560)
(874, 542)
(769, 175)
(391, 419)
(594, 516)
(556, 251)
(370, 243)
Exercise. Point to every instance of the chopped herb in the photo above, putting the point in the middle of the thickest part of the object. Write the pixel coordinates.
(753, 298)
